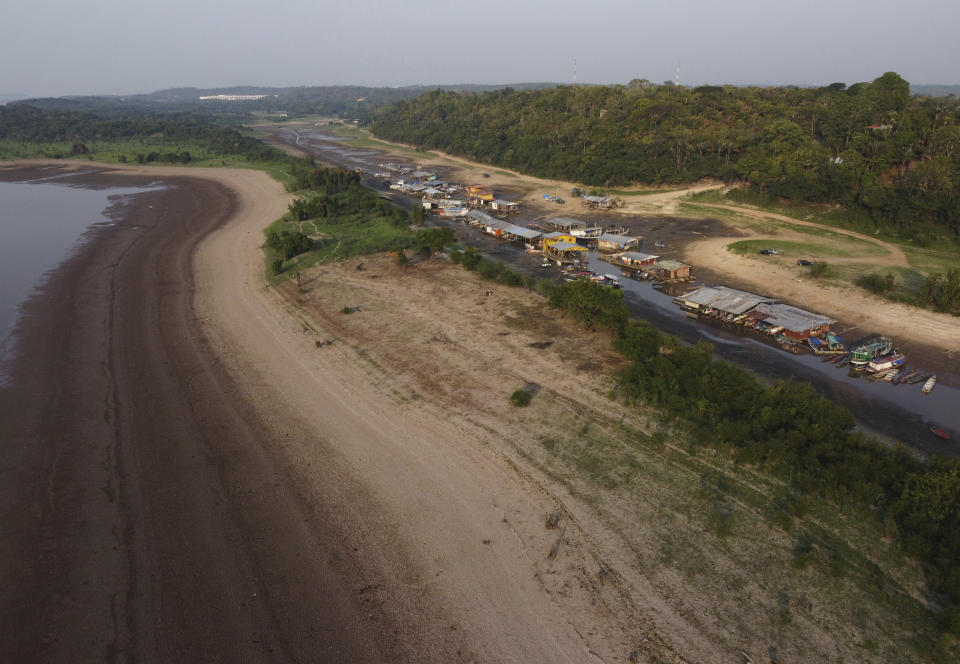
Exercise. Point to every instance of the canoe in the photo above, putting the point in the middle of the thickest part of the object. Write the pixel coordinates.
(929, 385)
(938, 432)
(905, 378)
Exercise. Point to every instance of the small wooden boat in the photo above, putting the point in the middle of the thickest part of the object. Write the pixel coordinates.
(843, 362)
(892, 375)
(929, 385)
(904, 378)
(918, 378)
(938, 432)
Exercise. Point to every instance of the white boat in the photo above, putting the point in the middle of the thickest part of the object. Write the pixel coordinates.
(928, 386)
(612, 280)
(886, 362)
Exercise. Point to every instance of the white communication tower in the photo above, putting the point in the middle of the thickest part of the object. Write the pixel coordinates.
(676, 78)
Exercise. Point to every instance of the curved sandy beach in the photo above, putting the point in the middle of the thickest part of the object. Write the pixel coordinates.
(189, 477)
(185, 477)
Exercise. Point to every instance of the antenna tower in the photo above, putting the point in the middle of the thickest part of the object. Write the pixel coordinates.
(676, 78)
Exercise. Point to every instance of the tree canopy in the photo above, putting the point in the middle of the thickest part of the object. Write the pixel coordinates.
(891, 158)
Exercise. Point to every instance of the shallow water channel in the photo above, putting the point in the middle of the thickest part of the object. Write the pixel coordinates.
(42, 222)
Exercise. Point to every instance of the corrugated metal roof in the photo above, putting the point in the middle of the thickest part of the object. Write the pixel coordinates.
(597, 199)
(480, 216)
(669, 264)
(620, 239)
(722, 298)
(567, 246)
(554, 234)
(524, 232)
(638, 256)
(790, 318)
(567, 222)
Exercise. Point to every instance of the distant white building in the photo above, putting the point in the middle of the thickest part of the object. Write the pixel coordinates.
(235, 97)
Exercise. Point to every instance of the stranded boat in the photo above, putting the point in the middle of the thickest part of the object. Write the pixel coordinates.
(830, 344)
(870, 348)
(607, 280)
(938, 432)
(929, 385)
(905, 378)
(885, 362)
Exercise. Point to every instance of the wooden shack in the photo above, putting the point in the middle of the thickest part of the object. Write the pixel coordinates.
(636, 259)
(670, 269)
(557, 236)
(609, 243)
(792, 322)
(565, 250)
(601, 202)
(504, 206)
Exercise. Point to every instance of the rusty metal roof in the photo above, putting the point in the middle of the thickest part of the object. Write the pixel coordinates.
(727, 300)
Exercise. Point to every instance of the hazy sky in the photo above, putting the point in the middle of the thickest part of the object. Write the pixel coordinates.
(69, 47)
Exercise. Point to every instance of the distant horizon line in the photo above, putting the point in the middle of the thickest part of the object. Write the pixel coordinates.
(8, 96)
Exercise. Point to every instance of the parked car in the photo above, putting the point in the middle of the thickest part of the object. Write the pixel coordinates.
(804, 262)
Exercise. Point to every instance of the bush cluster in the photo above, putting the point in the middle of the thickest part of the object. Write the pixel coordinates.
(789, 430)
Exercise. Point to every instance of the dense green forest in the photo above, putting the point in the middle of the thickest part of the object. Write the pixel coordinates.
(28, 124)
(787, 429)
(354, 101)
(892, 159)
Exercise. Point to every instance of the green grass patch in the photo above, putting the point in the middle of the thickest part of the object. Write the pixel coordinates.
(342, 237)
(634, 192)
(930, 261)
(809, 250)
(932, 258)
(129, 151)
(363, 139)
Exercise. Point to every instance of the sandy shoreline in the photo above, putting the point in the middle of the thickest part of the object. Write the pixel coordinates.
(147, 510)
(215, 462)
(189, 476)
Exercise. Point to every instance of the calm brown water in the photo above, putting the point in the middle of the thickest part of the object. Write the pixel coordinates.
(41, 223)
